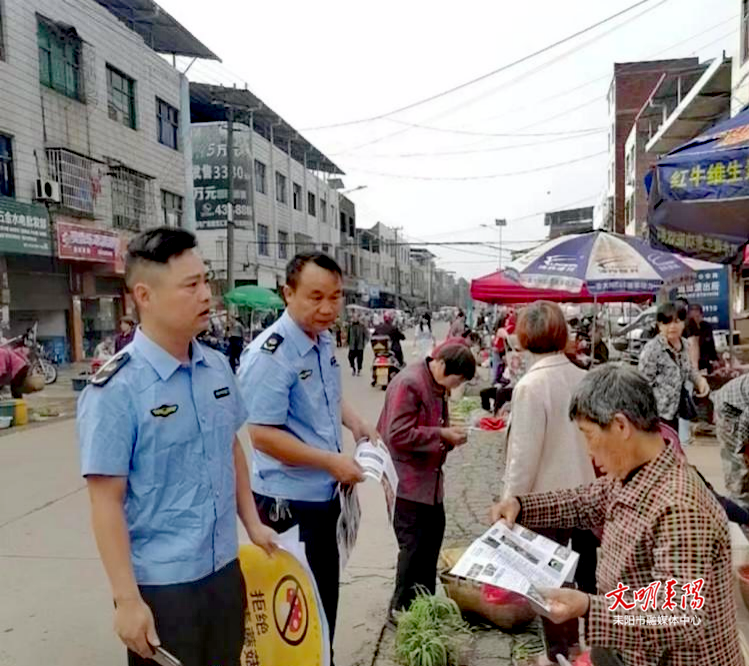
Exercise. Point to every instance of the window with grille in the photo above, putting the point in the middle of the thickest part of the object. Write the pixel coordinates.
(121, 94)
(172, 208)
(7, 188)
(311, 204)
(80, 183)
(324, 209)
(131, 196)
(262, 240)
(326, 248)
(283, 245)
(281, 195)
(261, 184)
(297, 196)
(60, 58)
(167, 118)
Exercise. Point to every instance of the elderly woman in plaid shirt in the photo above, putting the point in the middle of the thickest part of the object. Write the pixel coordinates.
(663, 531)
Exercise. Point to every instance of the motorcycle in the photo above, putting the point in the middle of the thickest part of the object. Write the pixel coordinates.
(385, 366)
(28, 346)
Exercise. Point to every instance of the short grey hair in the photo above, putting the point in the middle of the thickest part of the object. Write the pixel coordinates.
(615, 389)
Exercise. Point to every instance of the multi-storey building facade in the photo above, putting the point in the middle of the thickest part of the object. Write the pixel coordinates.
(94, 146)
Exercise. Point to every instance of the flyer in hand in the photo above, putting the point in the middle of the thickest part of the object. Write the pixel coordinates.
(377, 464)
(519, 560)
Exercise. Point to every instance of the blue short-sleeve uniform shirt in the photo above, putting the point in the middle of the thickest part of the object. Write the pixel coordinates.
(169, 428)
(290, 381)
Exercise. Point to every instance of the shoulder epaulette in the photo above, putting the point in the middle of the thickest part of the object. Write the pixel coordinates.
(110, 369)
(271, 345)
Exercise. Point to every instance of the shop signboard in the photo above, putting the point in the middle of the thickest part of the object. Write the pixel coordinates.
(711, 291)
(79, 243)
(211, 177)
(24, 228)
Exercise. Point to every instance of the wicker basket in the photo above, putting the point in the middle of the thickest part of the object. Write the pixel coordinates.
(467, 594)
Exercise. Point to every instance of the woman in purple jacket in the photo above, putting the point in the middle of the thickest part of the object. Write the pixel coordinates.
(415, 426)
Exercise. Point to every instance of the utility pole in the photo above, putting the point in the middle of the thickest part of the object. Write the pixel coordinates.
(397, 271)
(500, 223)
(230, 204)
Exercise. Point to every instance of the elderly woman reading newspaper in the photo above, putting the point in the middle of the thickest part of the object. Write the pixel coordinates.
(664, 574)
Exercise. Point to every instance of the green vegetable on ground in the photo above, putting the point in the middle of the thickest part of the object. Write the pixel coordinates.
(431, 632)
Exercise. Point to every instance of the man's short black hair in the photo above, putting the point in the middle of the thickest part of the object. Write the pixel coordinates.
(157, 246)
(459, 360)
(295, 267)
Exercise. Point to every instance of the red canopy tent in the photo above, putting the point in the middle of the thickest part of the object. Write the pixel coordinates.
(496, 288)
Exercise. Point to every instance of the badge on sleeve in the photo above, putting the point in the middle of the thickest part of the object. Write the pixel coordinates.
(305, 374)
(110, 369)
(271, 345)
(334, 361)
(164, 411)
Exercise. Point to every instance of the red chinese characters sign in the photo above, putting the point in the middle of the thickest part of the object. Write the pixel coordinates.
(87, 244)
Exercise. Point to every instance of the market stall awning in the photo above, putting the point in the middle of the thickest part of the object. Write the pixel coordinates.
(498, 288)
(699, 194)
(702, 106)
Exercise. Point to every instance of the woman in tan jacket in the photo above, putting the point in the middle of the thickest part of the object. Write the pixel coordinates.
(546, 451)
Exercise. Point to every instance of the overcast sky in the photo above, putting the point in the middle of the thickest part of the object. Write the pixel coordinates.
(321, 63)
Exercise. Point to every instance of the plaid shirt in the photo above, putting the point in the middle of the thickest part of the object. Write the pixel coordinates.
(662, 524)
(414, 412)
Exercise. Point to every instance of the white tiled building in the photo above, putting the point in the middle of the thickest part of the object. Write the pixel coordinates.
(293, 207)
(101, 119)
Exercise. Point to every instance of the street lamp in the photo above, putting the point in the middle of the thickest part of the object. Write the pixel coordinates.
(498, 224)
(354, 189)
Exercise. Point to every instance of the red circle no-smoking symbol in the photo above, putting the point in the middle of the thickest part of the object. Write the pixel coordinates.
(290, 610)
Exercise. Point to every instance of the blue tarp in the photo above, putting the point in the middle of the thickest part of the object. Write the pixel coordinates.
(699, 194)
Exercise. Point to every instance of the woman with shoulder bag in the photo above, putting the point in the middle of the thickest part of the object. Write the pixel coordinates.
(665, 363)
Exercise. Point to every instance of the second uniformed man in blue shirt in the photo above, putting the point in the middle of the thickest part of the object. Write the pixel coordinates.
(290, 382)
(166, 473)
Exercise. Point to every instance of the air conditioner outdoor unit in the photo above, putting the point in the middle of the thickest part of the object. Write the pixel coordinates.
(47, 190)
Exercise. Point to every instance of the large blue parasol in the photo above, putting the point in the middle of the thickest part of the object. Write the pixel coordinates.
(699, 194)
(603, 262)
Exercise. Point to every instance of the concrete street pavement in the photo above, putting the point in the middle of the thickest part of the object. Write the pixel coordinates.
(55, 605)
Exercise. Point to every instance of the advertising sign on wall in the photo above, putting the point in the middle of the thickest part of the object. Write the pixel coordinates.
(24, 228)
(80, 243)
(211, 176)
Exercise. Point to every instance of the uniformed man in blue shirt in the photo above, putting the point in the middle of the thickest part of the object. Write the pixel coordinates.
(291, 385)
(165, 471)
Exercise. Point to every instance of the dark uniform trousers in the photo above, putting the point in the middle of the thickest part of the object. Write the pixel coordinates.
(419, 529)
(317, 522)
(201, 623)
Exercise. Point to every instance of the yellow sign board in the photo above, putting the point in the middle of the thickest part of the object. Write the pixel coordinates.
(283, 623)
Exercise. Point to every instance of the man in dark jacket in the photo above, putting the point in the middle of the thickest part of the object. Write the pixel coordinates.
(415, 426)
(357, 341)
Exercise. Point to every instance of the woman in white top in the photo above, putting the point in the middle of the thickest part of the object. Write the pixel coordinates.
(546, 451)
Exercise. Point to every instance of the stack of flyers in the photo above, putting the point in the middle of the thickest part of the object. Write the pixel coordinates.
(377, 464)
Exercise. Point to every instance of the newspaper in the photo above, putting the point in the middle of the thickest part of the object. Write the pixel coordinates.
(375, 461)
(347, 528)
(519, 560)
(377, 464)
